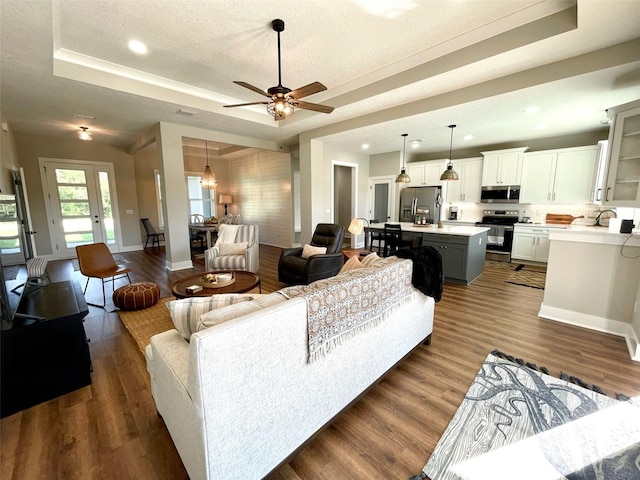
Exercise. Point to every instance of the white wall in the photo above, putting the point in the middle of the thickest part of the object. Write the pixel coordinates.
(261, 187)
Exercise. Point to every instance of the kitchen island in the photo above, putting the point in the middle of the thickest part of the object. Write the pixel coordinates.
(463, 248)
(593, 281)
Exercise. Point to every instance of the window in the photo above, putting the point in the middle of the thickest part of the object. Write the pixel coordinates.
(156, 173)
(201, 200)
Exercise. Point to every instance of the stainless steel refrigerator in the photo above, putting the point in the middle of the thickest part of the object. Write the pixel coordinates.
(420, 203)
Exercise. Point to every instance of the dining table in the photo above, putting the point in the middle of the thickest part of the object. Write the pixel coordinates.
(207, 228)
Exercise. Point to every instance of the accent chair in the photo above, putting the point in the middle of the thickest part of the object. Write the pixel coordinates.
(236, 248)
(296, 268)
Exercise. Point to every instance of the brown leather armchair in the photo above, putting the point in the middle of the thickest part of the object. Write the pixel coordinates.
(295, 270)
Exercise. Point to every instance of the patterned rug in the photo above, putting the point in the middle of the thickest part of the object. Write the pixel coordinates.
(11, 272)
(517, 422)
(144, 324)
(533, 276)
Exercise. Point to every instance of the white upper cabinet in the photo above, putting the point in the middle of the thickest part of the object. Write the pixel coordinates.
(467, 189)
(564, 176)
(623, 177)
(502, 167)
(426, 173)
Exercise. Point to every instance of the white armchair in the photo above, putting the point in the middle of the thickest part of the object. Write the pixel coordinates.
(236, 248)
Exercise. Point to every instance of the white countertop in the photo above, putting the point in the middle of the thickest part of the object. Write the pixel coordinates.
(590, 234)
(447, 229)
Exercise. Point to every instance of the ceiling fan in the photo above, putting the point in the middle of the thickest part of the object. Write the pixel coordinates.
(282, 100)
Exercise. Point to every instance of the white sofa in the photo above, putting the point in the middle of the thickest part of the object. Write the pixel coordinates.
(241, 397)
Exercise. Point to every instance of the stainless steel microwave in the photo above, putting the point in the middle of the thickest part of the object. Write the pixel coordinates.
(500, 194)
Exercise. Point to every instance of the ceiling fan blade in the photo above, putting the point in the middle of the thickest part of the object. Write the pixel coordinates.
(314, 106)
(307, 90)
(245, 104)
(251, 87)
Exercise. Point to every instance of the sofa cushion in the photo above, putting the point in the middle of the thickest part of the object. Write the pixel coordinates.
(185, 313)
(352, 264)
(221, 315)
(310, 250)
(370, 260)
(239, 248)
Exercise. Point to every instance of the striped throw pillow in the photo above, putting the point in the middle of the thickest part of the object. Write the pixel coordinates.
(185, 313)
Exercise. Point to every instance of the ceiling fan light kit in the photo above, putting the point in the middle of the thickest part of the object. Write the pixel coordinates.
(283, 101)
(450, 174)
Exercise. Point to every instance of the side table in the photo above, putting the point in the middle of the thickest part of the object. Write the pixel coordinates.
(45, 354)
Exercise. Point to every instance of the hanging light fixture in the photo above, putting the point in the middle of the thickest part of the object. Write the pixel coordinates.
(83, 134)
(450, 173)
(403, 177)
(208, 180)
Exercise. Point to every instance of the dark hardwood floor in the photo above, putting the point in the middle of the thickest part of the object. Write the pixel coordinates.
(110, 429)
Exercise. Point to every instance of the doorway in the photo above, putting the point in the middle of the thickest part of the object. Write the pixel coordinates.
(344, 196)
(82, 205)
(381, 200)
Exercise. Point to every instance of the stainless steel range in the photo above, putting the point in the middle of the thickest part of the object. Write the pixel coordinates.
(500, 235)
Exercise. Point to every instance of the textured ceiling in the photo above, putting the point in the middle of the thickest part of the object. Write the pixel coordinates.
(417, 69)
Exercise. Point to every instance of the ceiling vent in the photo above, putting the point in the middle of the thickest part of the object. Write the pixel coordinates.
(186, 113)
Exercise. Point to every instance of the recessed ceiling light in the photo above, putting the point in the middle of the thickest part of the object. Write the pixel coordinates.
(415, 143)
(365, 146)
(468, 137)
(137, 46)
(541, 126)
(531, 110)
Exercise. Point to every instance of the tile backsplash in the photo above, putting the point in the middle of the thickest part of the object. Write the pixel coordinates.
(472, 212)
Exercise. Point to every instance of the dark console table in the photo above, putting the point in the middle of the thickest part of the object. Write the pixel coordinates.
(45, 353)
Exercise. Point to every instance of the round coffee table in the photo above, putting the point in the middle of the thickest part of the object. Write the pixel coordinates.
(245, 281)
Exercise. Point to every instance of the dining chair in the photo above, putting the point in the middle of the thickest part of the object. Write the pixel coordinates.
(151, 233)
(95, 261)
(374, 236)
(393, 239)
(196, 235)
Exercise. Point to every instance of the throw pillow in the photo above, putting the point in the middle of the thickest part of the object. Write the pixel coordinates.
(310, 250)
(186, 313)
(352, 264)
(233, 248)
(370, 260)
(221, 315)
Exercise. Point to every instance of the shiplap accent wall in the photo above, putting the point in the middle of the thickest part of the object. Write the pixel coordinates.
(261, 188)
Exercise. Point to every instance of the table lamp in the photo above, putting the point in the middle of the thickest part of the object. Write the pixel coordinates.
(226, 199)
(357, 226)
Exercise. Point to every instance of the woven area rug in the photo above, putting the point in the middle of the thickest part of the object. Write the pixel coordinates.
(533, 276)
(11, 272)
(144, 324)
(517, 422)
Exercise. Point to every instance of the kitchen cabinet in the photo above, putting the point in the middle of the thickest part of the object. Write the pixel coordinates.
(564, 176)
(502, 167)
(462, 256)
(623, 176)
(426, 173)
(530, 243)
(468, 187)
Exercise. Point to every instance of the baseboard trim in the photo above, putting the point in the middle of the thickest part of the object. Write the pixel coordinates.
(178, 265)
(593, 322)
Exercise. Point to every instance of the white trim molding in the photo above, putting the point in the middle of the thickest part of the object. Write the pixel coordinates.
(593, 322)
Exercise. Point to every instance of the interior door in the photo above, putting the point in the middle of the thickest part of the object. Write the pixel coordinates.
(381, 200)
(80, 206)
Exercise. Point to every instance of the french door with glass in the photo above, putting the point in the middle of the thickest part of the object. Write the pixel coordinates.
(81, 206)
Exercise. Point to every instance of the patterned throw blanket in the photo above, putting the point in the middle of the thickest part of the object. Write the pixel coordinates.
(342, 306)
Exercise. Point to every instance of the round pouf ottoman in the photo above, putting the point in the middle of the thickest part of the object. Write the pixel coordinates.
(136, 296)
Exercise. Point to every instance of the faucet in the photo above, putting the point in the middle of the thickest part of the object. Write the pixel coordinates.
(615, 215)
